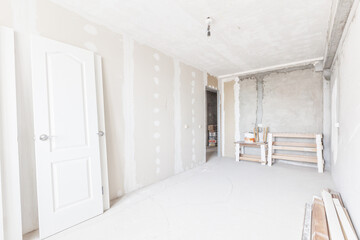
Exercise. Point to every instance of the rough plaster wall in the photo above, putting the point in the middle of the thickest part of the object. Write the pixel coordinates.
(292, 102)
(154, 137)
(346, 165)
(192, 95)
(248, 105)
(229, 115)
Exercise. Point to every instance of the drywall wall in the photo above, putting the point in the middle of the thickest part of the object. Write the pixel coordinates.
(346, 111)
(229, 119)
(192, 98)
(147, 95)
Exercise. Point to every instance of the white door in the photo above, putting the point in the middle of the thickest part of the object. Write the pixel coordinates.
(66, 140)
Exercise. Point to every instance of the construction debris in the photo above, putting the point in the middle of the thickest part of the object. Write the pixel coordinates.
(329, 219)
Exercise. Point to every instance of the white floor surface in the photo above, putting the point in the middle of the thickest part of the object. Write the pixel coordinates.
(220, 200)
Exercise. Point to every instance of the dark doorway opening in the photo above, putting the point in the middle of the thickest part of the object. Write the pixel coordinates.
(212, 123)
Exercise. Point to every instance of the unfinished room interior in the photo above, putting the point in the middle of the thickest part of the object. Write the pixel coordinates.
(179, 119)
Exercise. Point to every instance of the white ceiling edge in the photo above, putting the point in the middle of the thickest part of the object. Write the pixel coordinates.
(113, 29)
(229, 77)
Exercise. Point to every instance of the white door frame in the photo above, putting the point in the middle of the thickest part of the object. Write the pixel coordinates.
(222, 116)
(102, 128)
(9, 156)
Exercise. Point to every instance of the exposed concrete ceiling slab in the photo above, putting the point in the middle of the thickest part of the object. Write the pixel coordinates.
(246, 34)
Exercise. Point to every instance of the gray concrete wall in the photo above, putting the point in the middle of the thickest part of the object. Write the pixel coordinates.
(283, 101)
(345, 105)
(292, 102)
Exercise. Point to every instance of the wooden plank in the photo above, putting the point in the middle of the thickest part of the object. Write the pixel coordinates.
(295, 144)
(348, 217)
(300, 149)
(335, 194)
(319, 229)
(332, 218)
(295, 135)
(344, 221)
(252, 158)
(299, 158)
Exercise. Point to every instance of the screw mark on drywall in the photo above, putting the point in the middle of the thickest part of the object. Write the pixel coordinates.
(156, 110)
(156, 56)
(156, 80)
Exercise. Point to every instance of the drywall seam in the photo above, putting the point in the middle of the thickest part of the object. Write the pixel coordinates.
(128, 106)
(221, 86)
(237, 108)
(271, 68)
(205, 115)
(177, 117)
(237, 117)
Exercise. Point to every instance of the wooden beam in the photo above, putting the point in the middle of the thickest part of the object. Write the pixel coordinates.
(295, 135)
(345, 224)
(319, 229)
(252, 158)
(300, 149)
(298, 158)
(332, 218)
(295, 144)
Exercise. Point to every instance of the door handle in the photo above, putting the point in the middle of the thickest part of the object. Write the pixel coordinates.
(101, 133)
(44, 137)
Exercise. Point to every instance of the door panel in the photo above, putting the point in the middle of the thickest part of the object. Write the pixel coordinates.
(66, 140)
(67, 114)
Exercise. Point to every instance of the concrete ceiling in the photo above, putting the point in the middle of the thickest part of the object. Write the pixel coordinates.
(246, 34)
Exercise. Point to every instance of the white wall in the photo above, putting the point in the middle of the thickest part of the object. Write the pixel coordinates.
(10, 211)
(139, 151)
(346, 139)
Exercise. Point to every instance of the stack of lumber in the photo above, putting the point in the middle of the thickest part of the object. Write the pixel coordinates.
(328, 219)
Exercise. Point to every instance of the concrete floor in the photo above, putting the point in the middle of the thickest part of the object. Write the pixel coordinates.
(221, 199)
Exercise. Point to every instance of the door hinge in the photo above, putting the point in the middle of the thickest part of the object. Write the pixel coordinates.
(102, 190)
